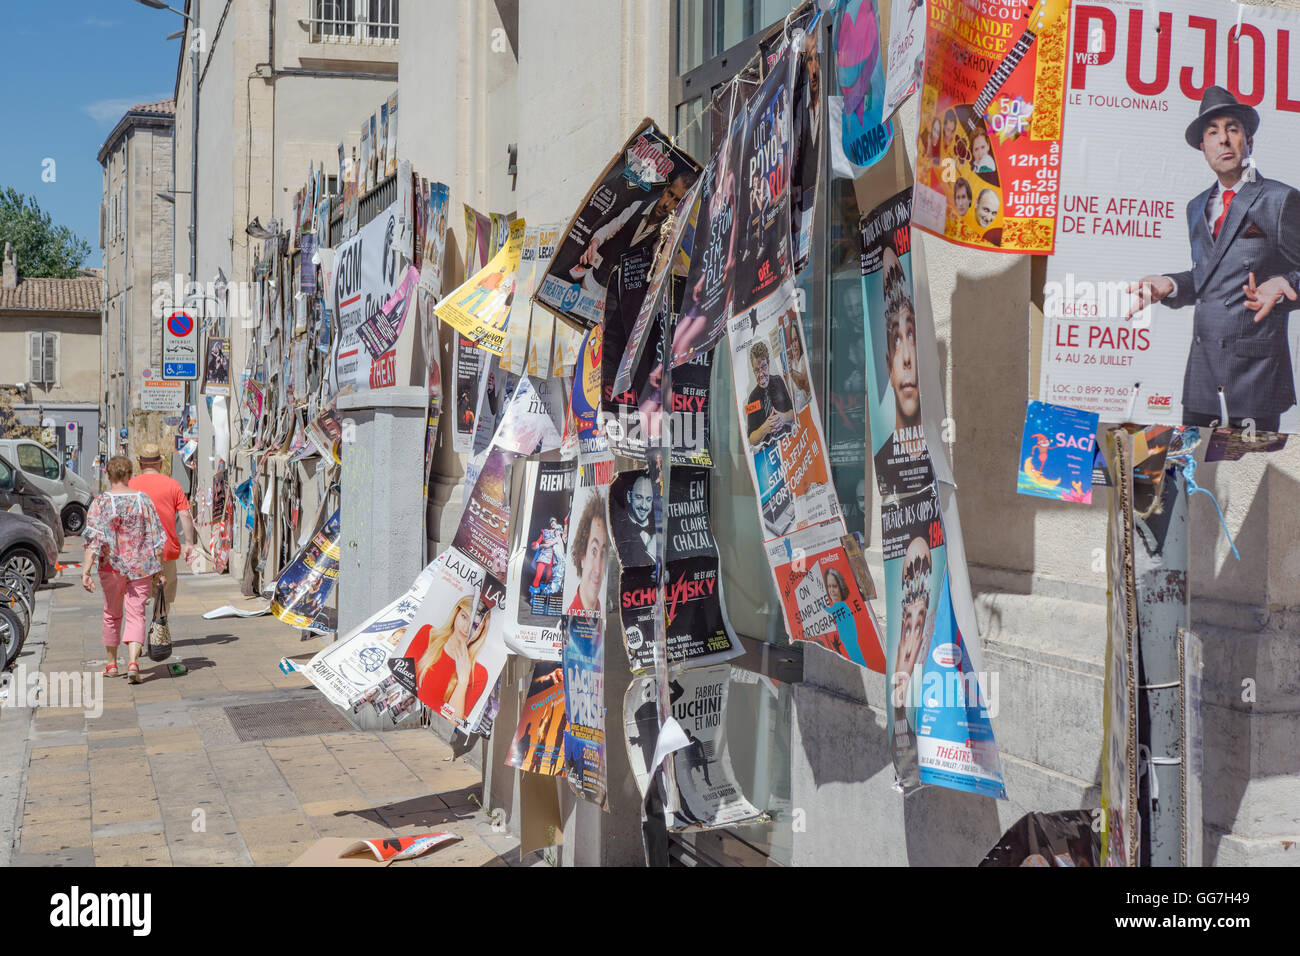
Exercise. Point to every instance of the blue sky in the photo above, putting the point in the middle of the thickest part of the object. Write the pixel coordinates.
(69, 70)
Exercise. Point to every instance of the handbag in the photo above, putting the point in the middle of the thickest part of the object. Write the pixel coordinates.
(159, 638)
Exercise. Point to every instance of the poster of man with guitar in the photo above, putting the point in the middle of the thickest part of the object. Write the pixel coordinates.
(991, 107)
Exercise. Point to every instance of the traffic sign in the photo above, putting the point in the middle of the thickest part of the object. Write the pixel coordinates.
(180, 352)
(122, 434)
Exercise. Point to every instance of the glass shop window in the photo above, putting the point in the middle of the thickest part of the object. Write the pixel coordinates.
(715, 40)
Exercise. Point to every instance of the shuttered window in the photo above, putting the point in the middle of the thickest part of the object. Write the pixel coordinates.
(43, 358)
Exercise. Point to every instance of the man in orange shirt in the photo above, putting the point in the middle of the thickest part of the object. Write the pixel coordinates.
(170, 501)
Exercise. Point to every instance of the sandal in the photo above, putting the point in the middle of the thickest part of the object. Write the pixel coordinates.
(110, 670)
(133, 673)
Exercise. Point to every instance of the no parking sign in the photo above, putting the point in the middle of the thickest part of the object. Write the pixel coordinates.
(180, 348)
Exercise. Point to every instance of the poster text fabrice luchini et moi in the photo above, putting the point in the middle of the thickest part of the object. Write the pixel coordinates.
(1171, 108)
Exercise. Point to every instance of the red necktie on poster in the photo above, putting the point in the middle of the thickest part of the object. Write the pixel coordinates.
(1227, 204)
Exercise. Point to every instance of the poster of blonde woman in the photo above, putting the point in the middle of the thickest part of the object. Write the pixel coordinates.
(458, 651)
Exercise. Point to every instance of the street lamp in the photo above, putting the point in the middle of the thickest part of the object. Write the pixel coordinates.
(190, 388)
(194, 130)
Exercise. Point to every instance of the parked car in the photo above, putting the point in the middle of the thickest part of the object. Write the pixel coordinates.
(68, 490)
(27, 546)
(16, 491)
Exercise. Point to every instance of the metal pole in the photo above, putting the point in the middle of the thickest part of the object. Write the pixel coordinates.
(190, 388)
(1160, 574)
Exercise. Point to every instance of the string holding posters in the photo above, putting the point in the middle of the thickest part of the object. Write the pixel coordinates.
(988, 167)
(1171, 295)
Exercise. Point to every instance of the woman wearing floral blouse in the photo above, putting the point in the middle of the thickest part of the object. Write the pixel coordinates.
(124, 539)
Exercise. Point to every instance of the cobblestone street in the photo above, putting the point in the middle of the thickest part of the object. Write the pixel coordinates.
(183, 770)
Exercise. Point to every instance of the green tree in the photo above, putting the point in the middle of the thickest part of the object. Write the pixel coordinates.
(43, 249)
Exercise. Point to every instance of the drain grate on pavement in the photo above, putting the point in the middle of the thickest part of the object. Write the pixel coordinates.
(305, 717)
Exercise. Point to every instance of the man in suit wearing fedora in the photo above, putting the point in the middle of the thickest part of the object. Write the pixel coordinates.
(1245, 237)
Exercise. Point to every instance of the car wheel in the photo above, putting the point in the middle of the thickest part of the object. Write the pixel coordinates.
(74, 519)
(27, 565)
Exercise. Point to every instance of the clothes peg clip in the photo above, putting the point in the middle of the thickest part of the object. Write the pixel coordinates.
(1223, 408)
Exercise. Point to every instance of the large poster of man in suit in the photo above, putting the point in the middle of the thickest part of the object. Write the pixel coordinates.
(1170, 297)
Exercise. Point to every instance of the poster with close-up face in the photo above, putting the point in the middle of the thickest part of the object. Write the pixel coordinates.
(450, 640)
(779, 416)
(898, 445)
(589, 543)
(940, 730)
(1173, 292)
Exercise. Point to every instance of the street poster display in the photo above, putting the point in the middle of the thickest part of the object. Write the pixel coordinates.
(698, 631)
(366, 274)
(306, 583)
(469, 369)
(480, 307)
(1057, 450)
(216, 366)
(781, 423)
(631, 320)
(538, 563)
(354, 666)
(541, 324)
(1168, 301)
(622, 212)
(861, 129)
(821, 596)
(514, 350)
(487, 653)
(449, 638)
(584, 706)
(588, 544)
(538, 745)
(708, 795)
(1119, 753)
(742, 247)
(585, 396)
(806, 161)
(790, 469)
(988, 166)
(435, 241)
(525, 429)
(902, 459)
(379, 333)
(905, 65)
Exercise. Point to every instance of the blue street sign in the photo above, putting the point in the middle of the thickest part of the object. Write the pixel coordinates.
(122, 433)
(182, 371)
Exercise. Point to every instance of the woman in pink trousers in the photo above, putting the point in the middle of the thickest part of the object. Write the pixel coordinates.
(124, 540)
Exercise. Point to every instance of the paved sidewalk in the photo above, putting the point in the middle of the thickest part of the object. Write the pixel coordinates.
(176, 770)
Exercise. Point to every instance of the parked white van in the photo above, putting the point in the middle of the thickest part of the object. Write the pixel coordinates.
(68, 490)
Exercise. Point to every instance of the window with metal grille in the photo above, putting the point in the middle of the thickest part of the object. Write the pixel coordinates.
(43, 358)
(354, 21)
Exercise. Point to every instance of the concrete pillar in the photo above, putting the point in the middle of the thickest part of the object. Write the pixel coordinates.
(382, 502)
